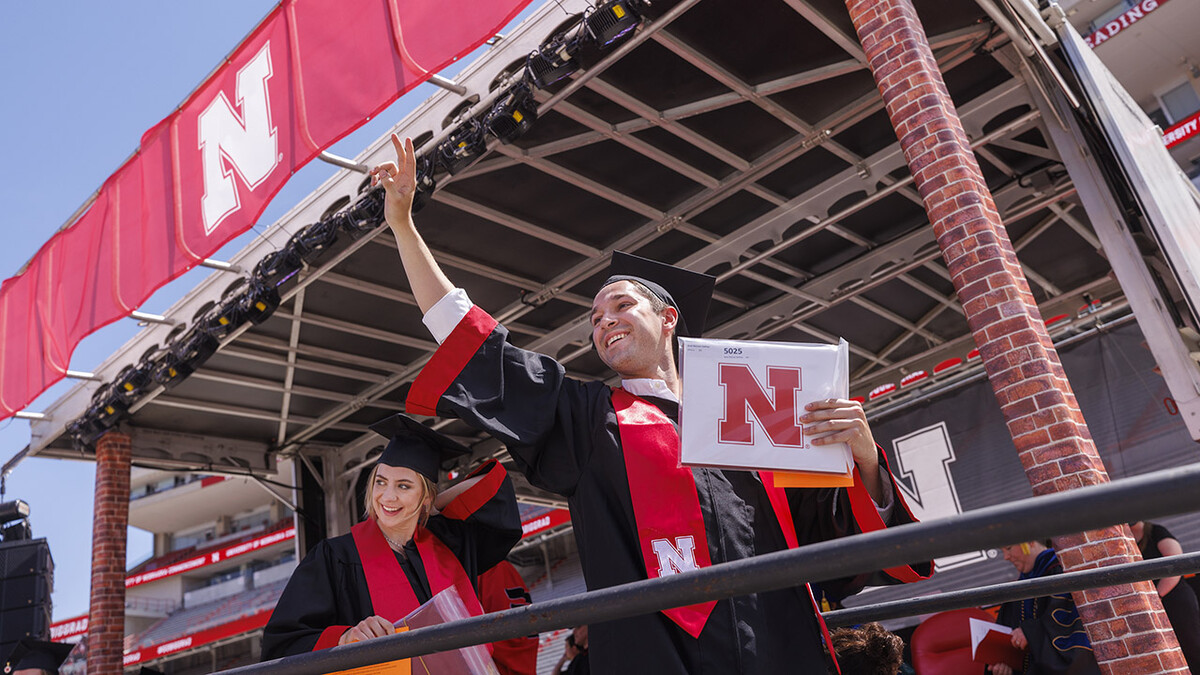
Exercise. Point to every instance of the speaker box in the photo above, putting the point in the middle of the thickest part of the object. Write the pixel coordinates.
(26, 581)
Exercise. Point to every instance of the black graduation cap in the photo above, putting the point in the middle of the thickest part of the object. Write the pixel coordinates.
(415, 446)
(688, 292)
(37, 654)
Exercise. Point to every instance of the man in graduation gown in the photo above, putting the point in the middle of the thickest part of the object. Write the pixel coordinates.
(1048, 628)
(614, 454)
(357, 585)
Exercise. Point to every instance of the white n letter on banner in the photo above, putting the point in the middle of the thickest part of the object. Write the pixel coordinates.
(677, 557)
(246, 143)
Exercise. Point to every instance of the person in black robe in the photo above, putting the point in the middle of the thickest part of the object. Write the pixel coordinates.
(1048, 628)
(1178, 599)
(614, 454)
(356, 586)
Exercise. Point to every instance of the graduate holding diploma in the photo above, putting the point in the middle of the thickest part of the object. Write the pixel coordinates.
(413, 544)
(614, 454)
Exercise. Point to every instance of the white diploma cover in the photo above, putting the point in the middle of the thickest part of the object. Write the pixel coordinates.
(742, 402)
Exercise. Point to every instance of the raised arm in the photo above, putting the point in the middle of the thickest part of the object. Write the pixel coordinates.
(399, 180)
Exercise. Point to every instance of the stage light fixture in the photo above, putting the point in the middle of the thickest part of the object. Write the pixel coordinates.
(132, 381)
(17, 508)
(465, 145)
(426, 184)
(107, 406)
(555, 59)
(84, 433)
(18, 531)
(259, 303)
(315, 239)
(513, 114)
(184, 356)
(611, 21)
(223, 319)
(365, 214)
(277, 267)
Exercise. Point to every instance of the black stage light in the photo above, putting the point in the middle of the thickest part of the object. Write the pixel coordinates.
(426, 184)
(108, 406)
(17, 508)
(465, 145)
(133, 381)
(365, 214)
(184, 356)
(84, 433)
(223, 319)
(315, 239)
(513, 114)
(555, 59)
(277, 267)
(259, 303)
(19, 531)
(611, 21)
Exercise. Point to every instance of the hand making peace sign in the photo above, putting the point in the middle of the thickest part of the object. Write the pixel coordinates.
(399, 181)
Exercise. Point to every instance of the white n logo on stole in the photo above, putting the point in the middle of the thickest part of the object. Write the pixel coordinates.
(246, 144)
(677, 557)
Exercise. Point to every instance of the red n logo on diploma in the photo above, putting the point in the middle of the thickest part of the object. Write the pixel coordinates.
(775, 411)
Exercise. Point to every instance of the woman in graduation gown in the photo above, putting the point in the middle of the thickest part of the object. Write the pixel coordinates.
(1047, 628)
(413, 544)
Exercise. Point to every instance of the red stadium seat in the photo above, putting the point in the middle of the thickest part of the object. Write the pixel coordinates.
(941, 645)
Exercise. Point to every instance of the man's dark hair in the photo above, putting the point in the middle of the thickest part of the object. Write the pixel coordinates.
(868, 650)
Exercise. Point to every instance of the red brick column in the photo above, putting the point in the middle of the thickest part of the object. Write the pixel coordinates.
(106, 619)
(1127, 626)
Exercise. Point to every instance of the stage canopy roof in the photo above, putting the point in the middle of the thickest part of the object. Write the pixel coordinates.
(745, 139)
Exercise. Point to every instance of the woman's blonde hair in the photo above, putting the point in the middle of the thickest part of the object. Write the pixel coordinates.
(429, 490)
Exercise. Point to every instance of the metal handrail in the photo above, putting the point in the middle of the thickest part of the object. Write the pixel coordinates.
(1145, 497)
(1111, 575)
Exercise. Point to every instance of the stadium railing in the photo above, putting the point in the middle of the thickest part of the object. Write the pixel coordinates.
(1145, 497)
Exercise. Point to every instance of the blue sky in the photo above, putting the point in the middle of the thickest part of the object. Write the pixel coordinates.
(81, 83)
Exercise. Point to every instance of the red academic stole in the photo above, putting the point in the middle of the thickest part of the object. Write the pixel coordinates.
(666, 507)
(391, 594)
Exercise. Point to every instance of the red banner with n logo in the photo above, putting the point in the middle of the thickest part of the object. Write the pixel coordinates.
(311, 72)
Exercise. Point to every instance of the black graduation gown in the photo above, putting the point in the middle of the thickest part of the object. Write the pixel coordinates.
(1057, 641)
(329, 587)
(563, 435)
(1181, 605)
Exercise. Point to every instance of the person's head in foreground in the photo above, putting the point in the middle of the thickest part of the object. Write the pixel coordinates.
(35, 657)
(403, 484)
(639, 310)
(868, 649)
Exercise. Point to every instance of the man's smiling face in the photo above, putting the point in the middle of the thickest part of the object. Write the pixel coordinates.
(628, 334)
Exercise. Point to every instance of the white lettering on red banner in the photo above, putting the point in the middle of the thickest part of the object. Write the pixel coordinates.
(245, 144)
(553, 519)
(1122, 22)
(200, 638)
(210, 558)
(1182, 131)
(70, 628)
(173, 646)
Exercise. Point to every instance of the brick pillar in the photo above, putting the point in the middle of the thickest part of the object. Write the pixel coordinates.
(106, 618)
(1127, 625)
